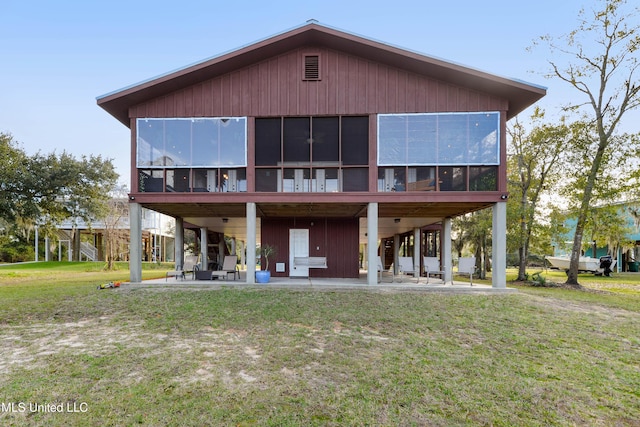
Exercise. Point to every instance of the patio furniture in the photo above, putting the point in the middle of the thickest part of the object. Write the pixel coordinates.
(467, 265)
(381, 270)
(229, 266)
(188, 267)
(432, 267)
(405, 266)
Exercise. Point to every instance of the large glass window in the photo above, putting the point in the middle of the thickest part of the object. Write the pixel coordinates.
(203, 142)
(438, 139)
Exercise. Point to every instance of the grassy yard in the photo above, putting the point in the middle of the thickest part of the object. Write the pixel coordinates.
(258, 356)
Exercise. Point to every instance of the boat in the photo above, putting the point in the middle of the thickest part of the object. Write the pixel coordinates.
(589, 264)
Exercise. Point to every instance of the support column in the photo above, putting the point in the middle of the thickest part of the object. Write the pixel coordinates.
(447, 264)
(36, 248)
(179, 243)
(499, 244)
(251, 243)
(417, 252)
(372, 243)
(46, 248)
(135, 245)
(204, 249)
(396, 253)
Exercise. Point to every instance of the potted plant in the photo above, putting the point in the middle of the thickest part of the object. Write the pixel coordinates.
(266, 251)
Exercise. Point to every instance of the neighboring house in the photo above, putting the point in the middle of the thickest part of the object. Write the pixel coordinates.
(321, 142)
(89, 239)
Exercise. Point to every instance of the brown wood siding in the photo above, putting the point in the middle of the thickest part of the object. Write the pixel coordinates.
(334, 238)
(348, 85)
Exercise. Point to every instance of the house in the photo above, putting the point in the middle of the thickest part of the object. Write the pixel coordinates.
(320, 142)
(88, 240)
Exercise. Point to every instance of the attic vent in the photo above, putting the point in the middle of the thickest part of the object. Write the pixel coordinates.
(311, 67)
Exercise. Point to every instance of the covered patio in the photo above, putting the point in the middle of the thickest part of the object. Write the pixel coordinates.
(387, 284)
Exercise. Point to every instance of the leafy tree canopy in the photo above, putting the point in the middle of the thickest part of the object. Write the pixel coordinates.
(49, 188)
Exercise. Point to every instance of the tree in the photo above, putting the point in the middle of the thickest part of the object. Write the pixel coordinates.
(116, 233)
(534, 163)
(46, 189)
(602, 66)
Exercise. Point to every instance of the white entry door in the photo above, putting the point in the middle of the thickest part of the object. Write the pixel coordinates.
(298, 247)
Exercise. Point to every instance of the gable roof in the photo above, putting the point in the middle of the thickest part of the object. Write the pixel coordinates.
(519, 94)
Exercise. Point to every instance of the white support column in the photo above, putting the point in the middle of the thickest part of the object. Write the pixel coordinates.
(372, 243)
(417, 252)
(204, 249)
(251, 243)
(396, 253)
(499, 255)
(135, 245)
(243, 257)
(46, 248)
(36, 248)
(179, 243)
(447, 264)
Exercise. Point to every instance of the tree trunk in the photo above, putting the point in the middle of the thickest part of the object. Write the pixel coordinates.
(572, 274)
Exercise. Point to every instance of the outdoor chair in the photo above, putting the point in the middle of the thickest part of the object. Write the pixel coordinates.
(181, 270)
(467, 265)
(178, 272)
(381, 270)
(405, 266)
(432, 267)
(229, 266)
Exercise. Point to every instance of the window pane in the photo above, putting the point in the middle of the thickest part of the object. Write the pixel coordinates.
(355, 179)
(325, 140)
(267, 180)
(177, 142)
(392, 137)
(483, 138)
(205, 180)
(325, 180)
(233, 139)
(452, 138)
(296, 143)
(391, 179)
(452, 178)
(355, 140)
(439, 138)
(268, 138)
(483, 178)
(150, 142)
(421, 179)
(233, 180)
(422, 139)
(178, 180)
(151, 181)
(205, 147)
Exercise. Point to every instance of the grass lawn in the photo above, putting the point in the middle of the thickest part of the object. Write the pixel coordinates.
(258, 356)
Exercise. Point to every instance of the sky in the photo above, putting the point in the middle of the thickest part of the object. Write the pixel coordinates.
(57, 57)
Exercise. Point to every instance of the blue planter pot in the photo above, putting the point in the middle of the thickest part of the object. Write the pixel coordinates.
(263, 276)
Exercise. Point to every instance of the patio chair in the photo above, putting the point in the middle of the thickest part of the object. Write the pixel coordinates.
(405, 266)
(432, 267)
(181, 270)
(190, 265)
(381, 270)
(467, 265)
(229, 266)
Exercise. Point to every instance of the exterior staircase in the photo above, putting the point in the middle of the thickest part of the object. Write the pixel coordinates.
(87, 250)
